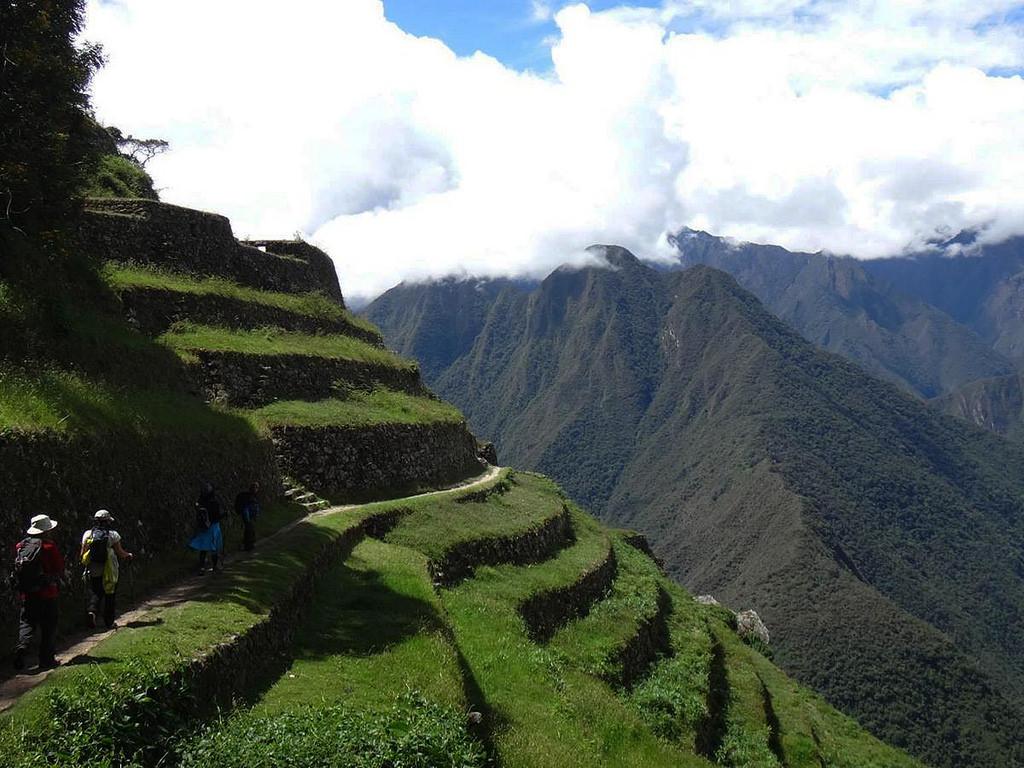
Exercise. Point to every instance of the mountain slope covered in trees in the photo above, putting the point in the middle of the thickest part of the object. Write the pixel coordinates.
(879, 538)
(846, 307)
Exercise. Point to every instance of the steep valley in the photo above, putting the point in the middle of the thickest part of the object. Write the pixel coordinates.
(879, 539)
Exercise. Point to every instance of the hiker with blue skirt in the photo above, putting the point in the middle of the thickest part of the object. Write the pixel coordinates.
(208, 537)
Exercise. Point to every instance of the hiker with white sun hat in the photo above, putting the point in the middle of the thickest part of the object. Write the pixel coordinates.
(101, 554)
(38, 568)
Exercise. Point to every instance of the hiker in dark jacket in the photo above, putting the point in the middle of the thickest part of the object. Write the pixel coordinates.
(38, 567)
(247, 507)
(208, 535)
(101, 555)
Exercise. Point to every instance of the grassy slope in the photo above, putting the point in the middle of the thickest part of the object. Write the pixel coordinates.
(774, 476)
(359, 409)
(122, 276)
(376, 629)
(435, 527)
(379, 628)
(591, 642)
(186, 337)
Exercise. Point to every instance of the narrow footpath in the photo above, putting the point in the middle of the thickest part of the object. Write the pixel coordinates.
(78, 645)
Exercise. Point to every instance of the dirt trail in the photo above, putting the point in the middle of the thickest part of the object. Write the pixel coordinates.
(79, 644)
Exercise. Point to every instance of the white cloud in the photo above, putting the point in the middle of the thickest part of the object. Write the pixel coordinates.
(859, 127)
(541, 11)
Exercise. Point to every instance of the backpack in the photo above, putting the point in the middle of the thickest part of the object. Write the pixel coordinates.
(99, 546)
(28, 566)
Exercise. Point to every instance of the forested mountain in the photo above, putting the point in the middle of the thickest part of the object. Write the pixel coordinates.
(880, 540)
(982, 288)
(848, 307)
(993, 404)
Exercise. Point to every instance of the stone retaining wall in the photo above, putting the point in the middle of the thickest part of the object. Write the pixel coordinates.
(250, 381)
(149, 481)
(240, 665)
(154, 310)
(356, 463)
(184, 240)
(652, 640)
(546, 612)
(533, 546)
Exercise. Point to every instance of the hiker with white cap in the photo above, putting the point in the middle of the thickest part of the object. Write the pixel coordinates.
(102, 552)
(38, 568)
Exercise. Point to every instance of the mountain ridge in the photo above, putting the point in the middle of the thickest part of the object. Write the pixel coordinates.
(673, 402)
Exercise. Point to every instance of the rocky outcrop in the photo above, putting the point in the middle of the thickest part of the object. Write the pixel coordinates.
(155, 310)
(184, 240)
(251, 381)
(749, 625)
(531, 546)
(546, 612)
(488, 453)
(356, 463)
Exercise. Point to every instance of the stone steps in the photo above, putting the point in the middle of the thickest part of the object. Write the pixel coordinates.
(301, 495)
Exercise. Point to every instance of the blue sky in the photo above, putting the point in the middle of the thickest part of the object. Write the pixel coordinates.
(504, 29)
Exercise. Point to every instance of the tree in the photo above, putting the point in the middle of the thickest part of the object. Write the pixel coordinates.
(141, 151)
(45, 146)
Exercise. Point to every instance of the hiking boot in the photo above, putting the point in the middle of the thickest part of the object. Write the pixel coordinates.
(48, 664)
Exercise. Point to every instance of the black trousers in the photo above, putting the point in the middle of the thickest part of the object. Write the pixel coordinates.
(38, 615)
(100, 603)
(248, 535)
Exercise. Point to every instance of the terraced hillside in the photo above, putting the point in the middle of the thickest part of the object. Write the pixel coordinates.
(160, 353)
(493, 625)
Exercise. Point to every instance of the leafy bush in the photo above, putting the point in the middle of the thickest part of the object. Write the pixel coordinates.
(119, 176)
(129, 720)
(414, 733)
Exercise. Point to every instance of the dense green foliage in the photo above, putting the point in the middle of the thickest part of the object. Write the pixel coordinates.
(414, 733)
(770, 474)
(118, 176)
(45, 147)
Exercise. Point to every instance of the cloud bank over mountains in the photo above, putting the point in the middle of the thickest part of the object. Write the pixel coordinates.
(855, 127)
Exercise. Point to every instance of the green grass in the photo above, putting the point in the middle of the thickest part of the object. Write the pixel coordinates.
(315, 305)
(413, 733)
(673, 699)
(593, 641)
(234, 602)
(546, 712)
(70, 402)
(376, 629)
(747, 738)
(358, 409)
(187, 337)
(813, 733)
(435, 527)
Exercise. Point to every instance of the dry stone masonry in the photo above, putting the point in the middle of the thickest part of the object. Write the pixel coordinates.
(177, 239)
